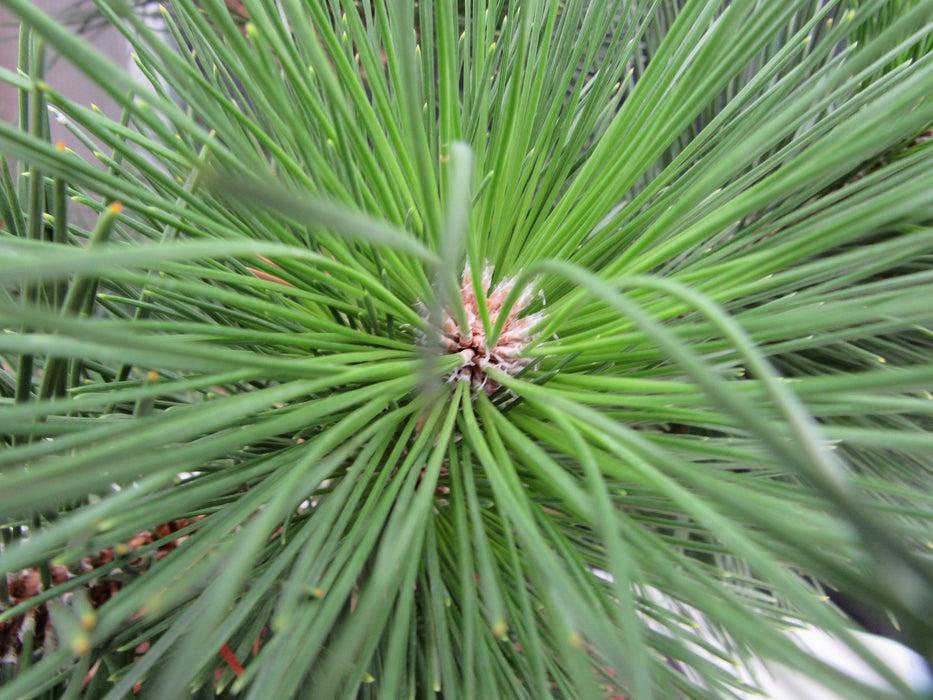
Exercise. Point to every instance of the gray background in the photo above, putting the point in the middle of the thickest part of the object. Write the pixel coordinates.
(61, 76)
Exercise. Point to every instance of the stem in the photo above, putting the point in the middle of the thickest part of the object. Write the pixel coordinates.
(6, 535)
(36, 191)
(45, 571)
(76, 298)
(60, 231)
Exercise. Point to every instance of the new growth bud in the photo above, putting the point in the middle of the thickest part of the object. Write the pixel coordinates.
(472, 346)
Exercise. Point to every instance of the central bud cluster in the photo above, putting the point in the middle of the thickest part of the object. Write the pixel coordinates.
(472, 345)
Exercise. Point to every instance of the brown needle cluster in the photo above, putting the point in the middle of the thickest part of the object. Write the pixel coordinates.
(472, 346)
(25, 584)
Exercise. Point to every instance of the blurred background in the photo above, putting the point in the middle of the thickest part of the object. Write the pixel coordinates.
(61, 75)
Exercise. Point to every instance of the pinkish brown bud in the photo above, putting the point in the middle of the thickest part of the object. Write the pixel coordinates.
(478, 357)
